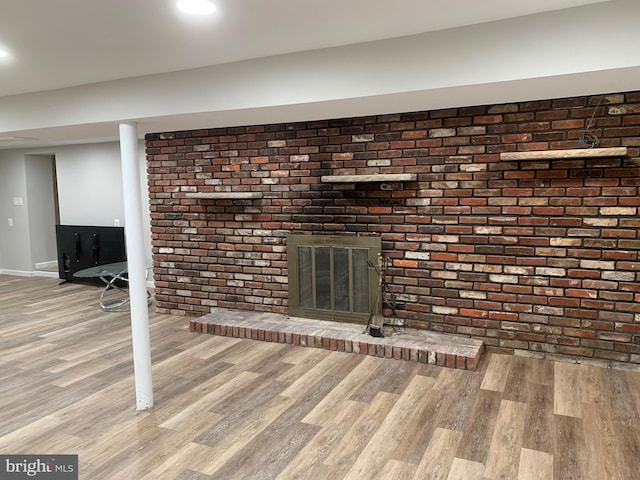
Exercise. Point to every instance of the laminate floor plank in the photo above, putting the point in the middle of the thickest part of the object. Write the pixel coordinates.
(390, 377)
(475, 443)
(456, 415)
(497, 373)
(633, 381)
(465, 470)
(605, 454)
(396, 470)
(570, 452)
(287, 423)
(450, 379)
(567, 398)
(619, 398)
(539, 372)
(188, 456)
(427, 418)
(517, 386)
(220, 374)
(628, 444)
(591, 384)
(204, 404)
(229, 408)
(303, 360)
(275, 424)
(539, 420)
(345, 388)
(343, 454)
(21, 438)
(189, 474)
(396, 427)
(206, 349)
(155, 446)
(309, 462)
(307, 379)
(349, 362)
(255, 412)
(504, 452)
(439, 455)
(535, 465)
(270, 452)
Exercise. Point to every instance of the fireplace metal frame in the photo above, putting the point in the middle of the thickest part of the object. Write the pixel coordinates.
(372, 244)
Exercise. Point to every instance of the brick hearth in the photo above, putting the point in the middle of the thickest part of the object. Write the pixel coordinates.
(406, 344)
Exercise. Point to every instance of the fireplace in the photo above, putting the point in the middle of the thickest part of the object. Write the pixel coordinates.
(330, 276)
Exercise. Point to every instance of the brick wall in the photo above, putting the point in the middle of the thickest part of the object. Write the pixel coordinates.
(539, 255)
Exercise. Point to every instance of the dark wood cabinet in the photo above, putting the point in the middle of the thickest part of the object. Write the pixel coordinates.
(84, 246)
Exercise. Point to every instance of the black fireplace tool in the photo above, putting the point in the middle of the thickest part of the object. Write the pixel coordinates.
(376, 319)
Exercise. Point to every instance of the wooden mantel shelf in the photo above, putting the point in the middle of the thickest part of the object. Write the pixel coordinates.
(380, 177)
(565, 154)
(224, 195)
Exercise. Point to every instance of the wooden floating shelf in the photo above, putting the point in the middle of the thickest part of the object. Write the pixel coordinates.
(565, 154)
(224, 195)
(389, 177)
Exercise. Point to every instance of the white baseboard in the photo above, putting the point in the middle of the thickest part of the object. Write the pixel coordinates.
(23, 273)
(50, 265)
(16, 273)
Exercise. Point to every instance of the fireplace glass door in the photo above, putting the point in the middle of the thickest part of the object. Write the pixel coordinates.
(330, 277)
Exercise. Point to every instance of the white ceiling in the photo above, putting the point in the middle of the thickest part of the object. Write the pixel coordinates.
(77, 68)
(62, 43)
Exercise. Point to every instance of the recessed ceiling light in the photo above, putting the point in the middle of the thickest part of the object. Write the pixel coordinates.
(196, 7)
(3, 53)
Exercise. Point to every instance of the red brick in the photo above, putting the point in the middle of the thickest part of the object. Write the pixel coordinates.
(503, 316)
(567, 124)
(444, 257)
(487, 119)
(614, 336)
(470, 312)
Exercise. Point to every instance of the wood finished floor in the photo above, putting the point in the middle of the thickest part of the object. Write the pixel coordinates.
(237, 409)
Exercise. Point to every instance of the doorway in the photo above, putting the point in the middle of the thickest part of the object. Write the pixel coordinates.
(43, 211)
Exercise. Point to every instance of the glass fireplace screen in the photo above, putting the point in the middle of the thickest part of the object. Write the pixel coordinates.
(329, 276)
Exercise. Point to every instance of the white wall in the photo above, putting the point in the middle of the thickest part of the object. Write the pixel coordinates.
(89, 192)
(90, 184)
(15, 253)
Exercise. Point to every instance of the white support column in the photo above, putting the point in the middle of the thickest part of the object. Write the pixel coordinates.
(136, 264)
